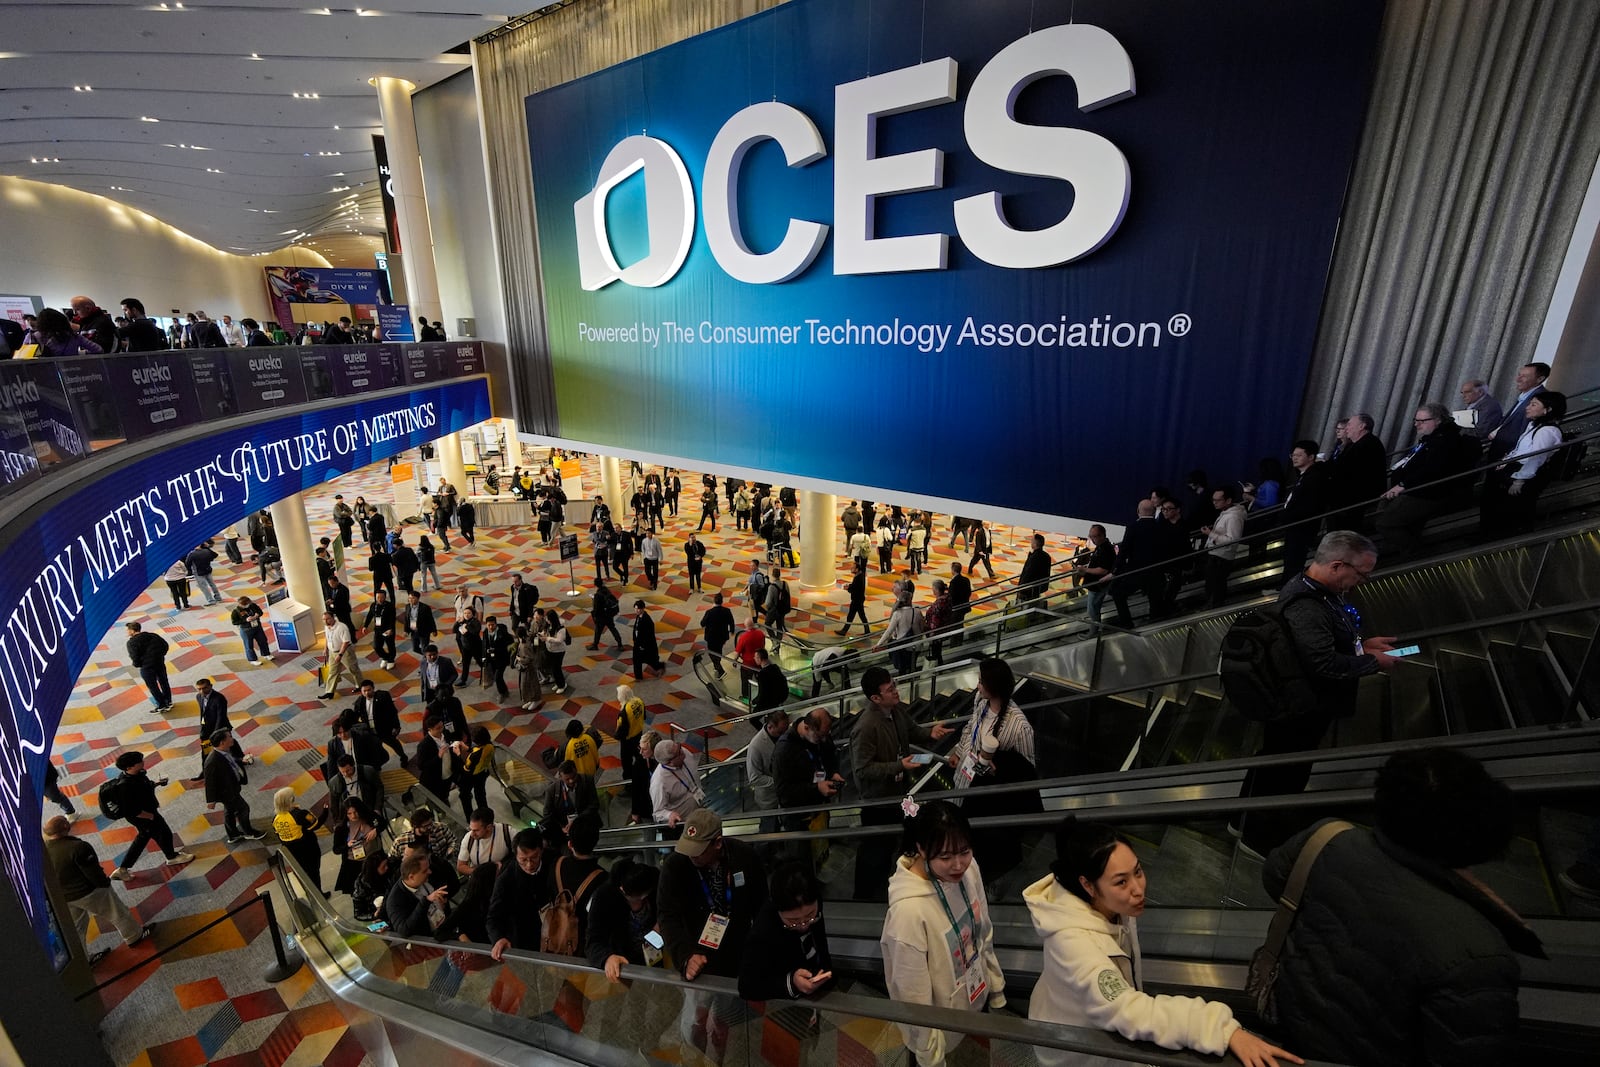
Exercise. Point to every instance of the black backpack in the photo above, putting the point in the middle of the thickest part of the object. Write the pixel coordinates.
(111, 799)
(1260, 666)
(781, 608)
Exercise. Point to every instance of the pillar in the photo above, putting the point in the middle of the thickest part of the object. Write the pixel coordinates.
(299, 558)
(611, 486)
(405, 178)
(448, 449)
(819, 546)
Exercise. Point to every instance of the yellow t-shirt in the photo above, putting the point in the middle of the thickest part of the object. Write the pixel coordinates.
(287, 827)
(584, 754)
(630, 720)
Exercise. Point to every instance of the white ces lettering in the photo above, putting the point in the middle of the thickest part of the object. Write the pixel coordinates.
(1094, 167)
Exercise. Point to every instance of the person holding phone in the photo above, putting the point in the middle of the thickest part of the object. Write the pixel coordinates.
(786, 956)
(623, 930)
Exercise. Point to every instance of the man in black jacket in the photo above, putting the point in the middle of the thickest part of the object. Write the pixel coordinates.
(213, 717)
(406, 565)
(1359, 472)
(141, 334)
(382, 570)
(569, 796)
(148, 653)
(1308, 496)
(710, 891)
(521, 890)
(805, 768)
(417, 621)
(378, 707)
(1327, 636)
(1141, 548)
(414, 907)
(136, 793)
(1441, 451)
(339, 602)
(436, 672)
(524, 598)
(225, 777)
(772, 685)
(89, 893)
(438, 759)
(496, 641)
(380, 621)
(1034, 581)
(1398, 955)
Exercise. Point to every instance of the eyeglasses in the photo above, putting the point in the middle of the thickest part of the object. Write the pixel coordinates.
(1423, 422)
(803, 924)
(1363, 575)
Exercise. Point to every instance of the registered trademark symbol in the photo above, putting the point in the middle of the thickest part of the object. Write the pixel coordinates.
(1179, 324)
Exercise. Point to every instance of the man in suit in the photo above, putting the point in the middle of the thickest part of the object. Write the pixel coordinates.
(225, 779)
(438, 759)
(1141, 548)
(1530, 382)
(496, 641)
(339, 601)
(524, 598)
(1360, 472)
(380, 621)
(359, 780)
(1305, 498)
(378, 707)
(213, 717)
(1475, 397)
(382, 569)
(1034, 581)
(437, 672)
(417, 620)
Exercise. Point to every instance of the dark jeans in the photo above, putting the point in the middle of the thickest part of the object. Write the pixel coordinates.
(236, 818)
(383, 646)
(151, 829)
(652, 572)
(496, 673)
(707, 516)
(977, 558)
(1265, 831)
(155, 680)
(1217, 571)
(694, 576)
(875, 856)
(858, 610)
(473, 790)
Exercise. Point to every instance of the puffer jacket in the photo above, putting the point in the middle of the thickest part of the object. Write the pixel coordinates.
(919, 953)
(1093, 977)
(1393, 960)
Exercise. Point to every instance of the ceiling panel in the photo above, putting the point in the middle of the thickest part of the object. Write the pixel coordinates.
(235, 158)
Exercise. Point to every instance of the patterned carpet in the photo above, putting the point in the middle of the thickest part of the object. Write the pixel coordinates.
(207, 1002)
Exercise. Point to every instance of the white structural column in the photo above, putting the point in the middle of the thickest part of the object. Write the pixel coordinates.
(299, 560)
(454, 470)
(405, 177)
(818, 539)
(611, 486)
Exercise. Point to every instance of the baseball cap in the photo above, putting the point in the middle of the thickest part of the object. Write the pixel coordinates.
(700, 830)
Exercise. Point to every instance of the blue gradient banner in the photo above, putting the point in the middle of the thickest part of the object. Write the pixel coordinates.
(75, 566)
(1070, 251)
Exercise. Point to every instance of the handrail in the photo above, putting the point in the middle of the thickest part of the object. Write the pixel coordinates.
(1155, 811)
(994, 1026)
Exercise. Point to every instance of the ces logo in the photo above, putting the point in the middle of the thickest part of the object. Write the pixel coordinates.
(1096, 169)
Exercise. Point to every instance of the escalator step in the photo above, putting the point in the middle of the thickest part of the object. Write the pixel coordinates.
(1536, 695)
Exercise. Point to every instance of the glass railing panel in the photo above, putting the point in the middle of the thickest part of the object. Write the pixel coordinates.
(1569, 572)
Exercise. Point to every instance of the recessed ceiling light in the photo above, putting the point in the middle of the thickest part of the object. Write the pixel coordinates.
(83, 88)
(255, 55)
(336, 127)
(147, 118)
(212, 170)
(307, 96)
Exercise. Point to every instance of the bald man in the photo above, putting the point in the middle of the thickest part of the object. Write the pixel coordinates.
(84, 883)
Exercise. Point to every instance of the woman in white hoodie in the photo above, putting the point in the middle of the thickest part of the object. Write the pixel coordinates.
(1086, 913)
(938, 935)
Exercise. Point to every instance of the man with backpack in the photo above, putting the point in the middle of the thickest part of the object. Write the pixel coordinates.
(1296, 667)
(575, 879)
(131, 796)
(604, 610)
(777, 607)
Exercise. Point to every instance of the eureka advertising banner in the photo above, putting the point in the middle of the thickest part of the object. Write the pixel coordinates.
(1037, 256)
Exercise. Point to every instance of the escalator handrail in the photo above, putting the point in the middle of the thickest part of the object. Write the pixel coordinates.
(1079, 1040)
(1164, 811)
(1137, 779)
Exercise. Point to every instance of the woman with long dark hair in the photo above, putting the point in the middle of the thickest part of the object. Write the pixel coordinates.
(1086, 912)
(53, 333)
(996, 748)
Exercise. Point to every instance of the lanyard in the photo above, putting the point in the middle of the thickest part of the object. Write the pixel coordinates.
(687, 783)
(727, 890)
(977, 729)
(961, 946)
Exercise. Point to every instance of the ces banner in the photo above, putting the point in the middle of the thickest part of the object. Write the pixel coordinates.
(1035, 256)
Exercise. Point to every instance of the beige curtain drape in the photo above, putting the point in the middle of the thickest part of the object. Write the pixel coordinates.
(1479, 144)
(567, 42)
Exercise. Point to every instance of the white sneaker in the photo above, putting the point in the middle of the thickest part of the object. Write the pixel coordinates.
(120, 874)
(247, 759)
(180, 859)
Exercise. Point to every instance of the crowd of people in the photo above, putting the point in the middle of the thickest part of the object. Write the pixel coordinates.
(83, 328)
